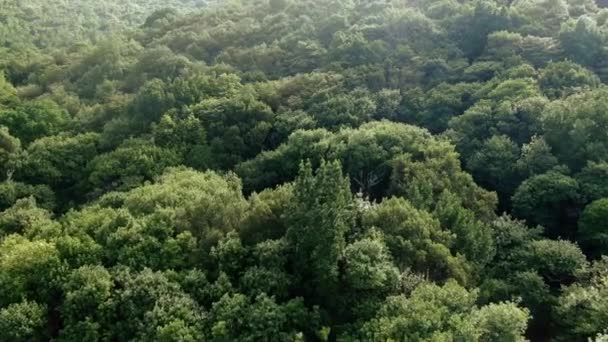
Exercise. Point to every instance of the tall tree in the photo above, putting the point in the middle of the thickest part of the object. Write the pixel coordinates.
(317, 224)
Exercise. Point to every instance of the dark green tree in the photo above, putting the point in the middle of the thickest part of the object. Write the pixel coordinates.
(33, 120)
(317, 223)
(593, 228)
(552, 200)
(23, 321)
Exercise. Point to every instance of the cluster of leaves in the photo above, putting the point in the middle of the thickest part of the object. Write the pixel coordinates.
(38, 32)
(189, 257)
(303, 170)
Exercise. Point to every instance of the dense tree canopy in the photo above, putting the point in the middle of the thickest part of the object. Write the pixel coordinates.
(316, 170)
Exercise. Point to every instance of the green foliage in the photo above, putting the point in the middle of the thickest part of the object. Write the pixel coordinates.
(442, 103)
(483, 18)
(592, 228)
(493, 166)
(237, 127)
(10, 153)
(33, 120)
(556, 261)
(205, 204)
(550, 200)
(239, 318)
(22, 322)
(87, 289)
(546, 16)
(473, 236)
(536, 158)
(582, 40)
(375, 142)
(514, 89)
(184, 136)
(151, 102)
(566, 78)
(593, 181)
(58, 161)
(582, 307)
(317, 223)
(28, 270)
(379, 157)
(448, 312)
(26, 218)
(416, 240)
(512, 48)
(155, 305)
(130, 165)
(11, 191)
(573, 128)
(264, 219)
(532, 270)
(369, 265)
(502, 322)
(8, 94)
(519, 120)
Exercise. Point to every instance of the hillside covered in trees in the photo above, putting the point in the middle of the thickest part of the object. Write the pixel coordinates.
(303, 170)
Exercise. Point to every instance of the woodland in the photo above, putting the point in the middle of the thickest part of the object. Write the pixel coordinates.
(304, 170)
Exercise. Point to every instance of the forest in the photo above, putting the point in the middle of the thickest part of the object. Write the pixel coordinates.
(304, 170)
